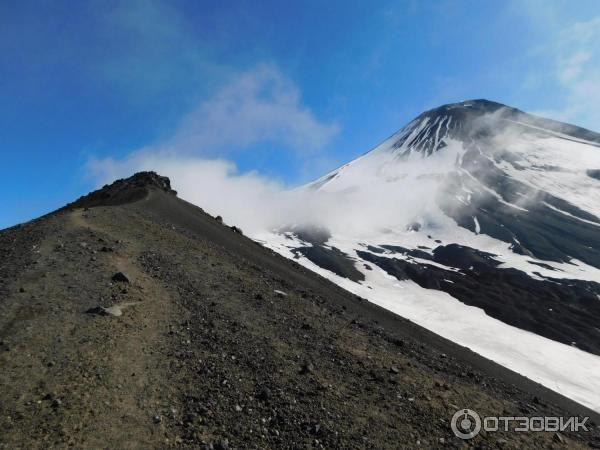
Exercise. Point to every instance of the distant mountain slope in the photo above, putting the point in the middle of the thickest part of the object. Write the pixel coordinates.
(150, 324)
(474, 206)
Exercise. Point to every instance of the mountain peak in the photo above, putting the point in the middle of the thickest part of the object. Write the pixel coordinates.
(430, 131)
(480, 105)
(124, 190)
(147, 179)
(475, 119)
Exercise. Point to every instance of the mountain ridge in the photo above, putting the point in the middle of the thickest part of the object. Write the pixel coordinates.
(221, 343)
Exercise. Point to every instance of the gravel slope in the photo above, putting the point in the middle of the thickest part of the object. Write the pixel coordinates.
(222, 343)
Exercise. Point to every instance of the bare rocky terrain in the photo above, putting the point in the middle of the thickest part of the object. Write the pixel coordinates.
(132, 319)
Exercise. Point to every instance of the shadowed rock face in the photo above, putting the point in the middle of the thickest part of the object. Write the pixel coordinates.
(124, 190)
(562, 310)
(333, 260)
(594, 173)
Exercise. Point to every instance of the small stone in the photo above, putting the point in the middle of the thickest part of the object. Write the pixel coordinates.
(56, 403)
(307, 368)
(394, 369)
(280, 293)
(115, 311)
(222, 445)
(264, 394)
(238, 408)
(120, 277)
(157, 418)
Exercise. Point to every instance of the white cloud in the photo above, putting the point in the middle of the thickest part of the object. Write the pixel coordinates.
(256, 203)
(245, 199)
(256, 107)
(575, 54)
(570, 68)
(583, 32)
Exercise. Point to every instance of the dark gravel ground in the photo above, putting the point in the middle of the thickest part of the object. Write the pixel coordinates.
(222, 344)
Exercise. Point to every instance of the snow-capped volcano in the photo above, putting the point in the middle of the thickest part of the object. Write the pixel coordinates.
(479, 222)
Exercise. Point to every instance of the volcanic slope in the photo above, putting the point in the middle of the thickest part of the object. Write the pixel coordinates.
(132, 319)
(479, 222)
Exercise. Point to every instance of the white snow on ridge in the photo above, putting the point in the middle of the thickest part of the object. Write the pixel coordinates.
(567, 178)
(565, 369)
(571, 215)
(554, 133)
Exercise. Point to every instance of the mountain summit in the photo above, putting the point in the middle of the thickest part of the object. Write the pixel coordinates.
(125, 190)
(472, 120)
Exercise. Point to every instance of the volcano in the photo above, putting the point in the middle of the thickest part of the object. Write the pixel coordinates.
(479, 222)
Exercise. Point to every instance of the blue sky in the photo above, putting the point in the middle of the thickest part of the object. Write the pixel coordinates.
(283, 91)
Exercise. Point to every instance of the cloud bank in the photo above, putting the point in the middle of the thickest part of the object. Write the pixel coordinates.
(257, 107)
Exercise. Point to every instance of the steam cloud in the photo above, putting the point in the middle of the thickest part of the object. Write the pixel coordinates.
(263, 105)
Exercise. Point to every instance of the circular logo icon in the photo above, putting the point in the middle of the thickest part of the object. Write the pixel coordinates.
(466, 424)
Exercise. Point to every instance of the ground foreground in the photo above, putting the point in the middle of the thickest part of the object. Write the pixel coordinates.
(215, 342)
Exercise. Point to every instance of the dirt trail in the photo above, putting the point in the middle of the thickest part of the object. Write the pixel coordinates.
(137, 358)
(94, 379)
